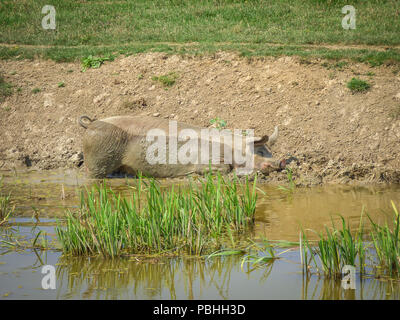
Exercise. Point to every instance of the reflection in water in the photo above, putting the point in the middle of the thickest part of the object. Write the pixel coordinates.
(149, 278)
(322, 288)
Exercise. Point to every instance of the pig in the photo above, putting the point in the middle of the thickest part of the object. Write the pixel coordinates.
(128, 145)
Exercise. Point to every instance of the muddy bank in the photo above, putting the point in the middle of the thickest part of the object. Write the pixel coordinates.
(337, 136)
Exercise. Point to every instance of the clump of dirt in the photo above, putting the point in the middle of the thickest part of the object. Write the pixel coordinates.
(336, 136)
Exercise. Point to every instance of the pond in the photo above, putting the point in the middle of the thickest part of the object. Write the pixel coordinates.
(41, 198)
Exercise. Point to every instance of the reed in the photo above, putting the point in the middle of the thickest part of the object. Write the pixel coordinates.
(5, 205)
(192, 219)
(386, 243)
(334, 249)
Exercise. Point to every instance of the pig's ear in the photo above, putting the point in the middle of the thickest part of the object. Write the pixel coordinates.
(257, 140)
(272, 139)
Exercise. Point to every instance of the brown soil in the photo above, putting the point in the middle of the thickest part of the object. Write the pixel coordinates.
(337, 136)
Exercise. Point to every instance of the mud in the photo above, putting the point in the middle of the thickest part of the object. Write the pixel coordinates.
(335, 135)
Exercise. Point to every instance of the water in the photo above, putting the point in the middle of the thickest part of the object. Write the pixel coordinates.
(279, 215)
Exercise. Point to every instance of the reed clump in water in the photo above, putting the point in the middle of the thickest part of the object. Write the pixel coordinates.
(335, 250)
(386, 243)
(189, 219)
(5, 206)
(339, 248)
(5, 209)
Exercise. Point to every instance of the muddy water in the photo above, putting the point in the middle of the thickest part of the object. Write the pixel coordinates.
(279, 215)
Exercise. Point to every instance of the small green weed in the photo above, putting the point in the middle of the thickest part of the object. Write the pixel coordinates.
(358, 85)
(94, 62)
(219, 123)
(292, 185)
(167, 80)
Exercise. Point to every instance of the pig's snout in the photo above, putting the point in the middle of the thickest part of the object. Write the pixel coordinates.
(282, 164)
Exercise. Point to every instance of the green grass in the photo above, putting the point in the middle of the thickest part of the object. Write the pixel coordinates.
(35, 90)
(5, 205)
(340, 65)
(257, 21)
(291, 184)
(358, 85)
(167, 80)
(100, 28)
(5, 89)
(386, 242)
(191, 220)
(5, 209)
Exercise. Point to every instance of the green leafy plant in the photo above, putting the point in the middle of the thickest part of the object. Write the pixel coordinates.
(94, 62)
(219, 123)
(358, 85)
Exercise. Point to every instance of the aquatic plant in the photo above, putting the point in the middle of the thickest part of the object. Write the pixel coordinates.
(386, 242)
(338, 248)
(335, 249)
(264, 252)
(5, 206)
(189, 219)
(292, 185)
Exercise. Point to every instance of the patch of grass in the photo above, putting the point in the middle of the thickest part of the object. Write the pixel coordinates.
(70, 54)
(395, 113)
(336, 65)
(94, 62)
(140, 77)
(5, 89)
(254, 28)
(370, 74)
(167, 80)
(386, 242)
(358, 85)
(35, 90)
(219, 123)
(61, 84)
(156, 220)
(144, 21)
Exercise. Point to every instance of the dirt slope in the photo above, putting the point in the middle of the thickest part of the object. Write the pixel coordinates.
(336, 135)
